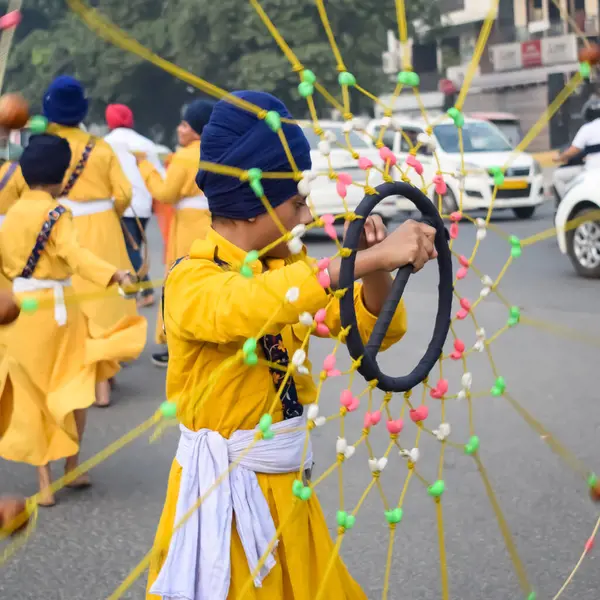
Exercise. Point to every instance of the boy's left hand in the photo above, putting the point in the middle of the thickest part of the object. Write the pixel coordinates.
(373, 232)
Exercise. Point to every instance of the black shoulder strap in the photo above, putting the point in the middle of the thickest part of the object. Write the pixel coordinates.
(7, 176)
(78, 170)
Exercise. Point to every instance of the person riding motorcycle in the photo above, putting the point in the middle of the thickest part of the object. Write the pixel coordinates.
(586, 143)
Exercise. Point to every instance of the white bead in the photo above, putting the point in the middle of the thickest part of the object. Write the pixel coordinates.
(299, 230)
(324, 148)
(480, 333)
(485, 292)
(386, 121)
(312, 411)
(348, 126)
(330, 136)
(377, 464)
(481, 233)
(426, 140)
(479, 346)
(306, 319)
(295, 245)
(443, 431)
(320, 421)
(298, 358)
(466, 380)
(309, 175)
(292, 294)
(349, 452)
(480, 223)
(487, 281)
(341, 445)
(304, 187)
(303, 370)
(461, 395)
(414, 455)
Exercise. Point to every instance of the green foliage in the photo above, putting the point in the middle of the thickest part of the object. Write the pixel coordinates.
(224, 42)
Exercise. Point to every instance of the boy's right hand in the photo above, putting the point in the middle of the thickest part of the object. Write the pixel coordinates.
(410, 244)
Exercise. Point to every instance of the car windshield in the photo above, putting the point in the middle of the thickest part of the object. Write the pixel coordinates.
(478, 136)
(511, 131)
(355, 140)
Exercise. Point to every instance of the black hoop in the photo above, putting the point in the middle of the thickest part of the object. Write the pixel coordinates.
(369, 368)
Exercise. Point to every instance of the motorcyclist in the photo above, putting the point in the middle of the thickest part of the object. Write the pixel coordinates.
(586, 142)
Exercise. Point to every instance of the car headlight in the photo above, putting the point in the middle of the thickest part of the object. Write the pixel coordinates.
(537, 168)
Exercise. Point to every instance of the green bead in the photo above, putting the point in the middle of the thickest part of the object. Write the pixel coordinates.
(251, 359)
(350, 520)
(168, 409)
(585, 70)
(268, 435)
(252, 256)
(409, 78)
(514, 316)
(38, 124)
(497, 174)
(257, 188)
(254, 174)
(29, 305)
(499, 387)
(305, 493)
(457, 117)
(306, 89)
(437, 489)
(393, 516)
(273, 120)
(341, 518)
(472, 446)
(249, 346)
(345, 78)
(246, 271)
(516, 249)
(532, 596)
(308, 76)
(265, 422)
(297, 488)
(592, 480)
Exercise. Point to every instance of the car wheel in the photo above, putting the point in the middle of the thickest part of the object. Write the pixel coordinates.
(583, 245)
(524, 212)
(449, 204)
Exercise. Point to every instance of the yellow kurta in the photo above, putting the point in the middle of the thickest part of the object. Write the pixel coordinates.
(209, 313)
(102, 179)
(188, 224)
(48, 370)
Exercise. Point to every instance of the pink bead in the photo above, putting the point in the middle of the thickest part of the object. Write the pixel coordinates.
(456, 216)
(442, 386)
(341, 189)
(322, 330)
(462, 314)
(419, 414)
(395, 427)
(345, 178)
(350, 402)
(328, 219)
(411, 161)
(461, 273)
(440, 185)
(456, 355)
(330, 231)
(11, 19)
(371, 419)
(329, 362)
(324, 279)
(465, 304)
(464, 261)
(364, 163)
(459, 345)
(387, 155)
(323, 263)
(454, 231)
(589, 544)
(320, 315)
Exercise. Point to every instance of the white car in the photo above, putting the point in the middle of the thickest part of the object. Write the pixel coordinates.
(484, 147)
(324, 197)
(581, 243)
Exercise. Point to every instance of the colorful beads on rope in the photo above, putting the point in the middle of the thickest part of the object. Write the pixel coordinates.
(394, 516)
(472, 445)
(457, 117)
(346, 78)
(345, 521)
(10, 20)
(249, 351)
(306, 88)
(301, 491)
(168, 409)
(409, 78)
(273, 120)
(29, 305)
(38, 125)
(514, 316)
(499, 387)
(515, 246)
(585, 70)
(264, 426)
(254, 177)
(436, 489)
(498, 175)
(246, 269)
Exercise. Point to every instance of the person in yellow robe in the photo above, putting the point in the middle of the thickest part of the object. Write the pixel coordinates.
(50, 366)
(192, 218)
(213, 314)
(97, 192)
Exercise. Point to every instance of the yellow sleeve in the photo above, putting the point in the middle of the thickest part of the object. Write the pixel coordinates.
(168, 190)
(80, 260)
(205, 303)
(13, 190)
(366, 321)
(121, 186)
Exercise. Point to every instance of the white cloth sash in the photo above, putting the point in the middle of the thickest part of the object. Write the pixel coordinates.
(200, 202)
(80, 209)
(22, 286)
(2, 217)
(198, 563)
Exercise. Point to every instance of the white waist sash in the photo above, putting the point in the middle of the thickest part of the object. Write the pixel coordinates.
(80, 209)
(199, 202)
(22, 285)
(198, 563)
(2, 217)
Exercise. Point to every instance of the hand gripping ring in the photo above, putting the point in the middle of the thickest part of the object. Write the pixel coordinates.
(369, 368)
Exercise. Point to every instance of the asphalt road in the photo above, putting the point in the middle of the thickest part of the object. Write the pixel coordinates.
(86, 545)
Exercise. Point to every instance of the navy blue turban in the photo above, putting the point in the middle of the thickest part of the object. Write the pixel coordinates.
(197, 114)
(45, 160)
(237, 138)
(65, 102)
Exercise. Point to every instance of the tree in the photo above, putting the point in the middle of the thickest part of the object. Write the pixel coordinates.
(223, 42)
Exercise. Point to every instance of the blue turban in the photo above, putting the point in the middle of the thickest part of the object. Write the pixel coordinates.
(45, 160)
(65, 102)
(237, 138)
(197, 114)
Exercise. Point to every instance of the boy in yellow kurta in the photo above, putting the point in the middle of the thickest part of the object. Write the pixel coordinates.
(192, 218)
(211, 312)
(97, 192)
(50, 366)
